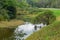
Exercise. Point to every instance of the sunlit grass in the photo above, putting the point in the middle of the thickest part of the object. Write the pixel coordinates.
(54, 10)
(58, 18)
(11, 23)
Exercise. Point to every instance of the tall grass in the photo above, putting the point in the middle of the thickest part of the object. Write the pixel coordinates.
(10, 23)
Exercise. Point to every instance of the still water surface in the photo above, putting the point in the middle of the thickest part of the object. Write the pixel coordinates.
(26, 30)
(21, 32)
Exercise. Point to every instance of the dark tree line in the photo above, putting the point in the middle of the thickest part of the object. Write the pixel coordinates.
(8, 7)
(45, 3)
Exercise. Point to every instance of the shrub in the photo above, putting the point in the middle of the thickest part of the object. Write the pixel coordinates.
(3, 15)
(46, 17)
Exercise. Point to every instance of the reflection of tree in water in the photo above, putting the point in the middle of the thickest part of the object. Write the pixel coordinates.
(20, 35)
(35, 27)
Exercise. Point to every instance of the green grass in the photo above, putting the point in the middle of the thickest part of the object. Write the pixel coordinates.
(51, 32)
(54, 10)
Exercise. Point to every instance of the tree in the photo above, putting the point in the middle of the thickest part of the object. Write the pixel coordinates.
(44, 3)
(49, 17)
(7, 9)
(3, 15)
(46, 17)
(11, 12)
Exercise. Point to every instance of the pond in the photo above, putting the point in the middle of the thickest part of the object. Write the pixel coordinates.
(21, 32)
(25, 30)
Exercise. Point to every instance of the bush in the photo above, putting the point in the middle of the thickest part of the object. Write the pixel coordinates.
(46, 17)
(3, 15)
(11, 12)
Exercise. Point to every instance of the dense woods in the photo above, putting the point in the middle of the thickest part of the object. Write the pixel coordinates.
(45, 3)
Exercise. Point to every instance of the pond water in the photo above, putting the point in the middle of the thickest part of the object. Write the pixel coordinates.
(21, 32)
(25, 30)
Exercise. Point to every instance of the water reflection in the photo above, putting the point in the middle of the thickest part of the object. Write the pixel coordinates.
(25, 30)
(6, 33)
(21, 32)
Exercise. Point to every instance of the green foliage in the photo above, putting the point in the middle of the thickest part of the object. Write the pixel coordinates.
(45, 3)
(46, 17)
(11, 12)
(7, 9)
(3, 15)
(25, 8)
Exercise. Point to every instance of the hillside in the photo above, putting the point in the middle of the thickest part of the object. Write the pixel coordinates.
(51, 32)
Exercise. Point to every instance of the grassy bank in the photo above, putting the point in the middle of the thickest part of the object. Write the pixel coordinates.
(51, 32)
